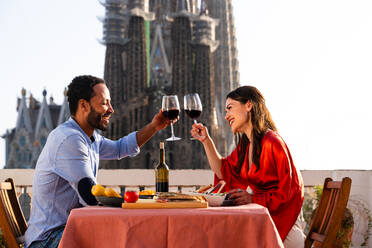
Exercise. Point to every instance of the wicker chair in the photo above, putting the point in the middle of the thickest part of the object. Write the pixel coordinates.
(328, 216)
(12, 221)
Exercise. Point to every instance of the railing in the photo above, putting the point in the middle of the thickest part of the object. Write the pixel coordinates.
(182, 180)
(185, 179)
(188, 180)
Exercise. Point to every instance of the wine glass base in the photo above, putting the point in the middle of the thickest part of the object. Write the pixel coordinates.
(173, 139)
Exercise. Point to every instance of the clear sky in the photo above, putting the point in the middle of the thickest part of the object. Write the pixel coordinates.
(312, 60)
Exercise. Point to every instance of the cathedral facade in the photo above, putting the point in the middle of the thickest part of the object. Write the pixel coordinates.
(163, 47)
(35, 120)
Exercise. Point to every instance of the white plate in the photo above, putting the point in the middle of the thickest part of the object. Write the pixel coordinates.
(214, 200)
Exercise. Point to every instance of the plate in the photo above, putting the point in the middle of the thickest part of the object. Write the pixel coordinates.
(110, 201)
(214, 200)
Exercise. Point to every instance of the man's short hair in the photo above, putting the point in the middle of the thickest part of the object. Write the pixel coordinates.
(81, 87)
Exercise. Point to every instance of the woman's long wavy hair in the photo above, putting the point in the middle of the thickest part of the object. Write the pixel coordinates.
(261, 122)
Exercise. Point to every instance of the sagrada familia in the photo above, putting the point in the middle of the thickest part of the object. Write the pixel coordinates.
(153, 48)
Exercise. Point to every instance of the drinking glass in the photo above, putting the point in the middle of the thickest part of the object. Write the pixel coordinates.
(193, 106)
(171, 110)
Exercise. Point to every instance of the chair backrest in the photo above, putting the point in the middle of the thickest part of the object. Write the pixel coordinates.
(328, 216)
(12, 222)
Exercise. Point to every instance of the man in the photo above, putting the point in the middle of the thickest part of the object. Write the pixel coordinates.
(68, 164)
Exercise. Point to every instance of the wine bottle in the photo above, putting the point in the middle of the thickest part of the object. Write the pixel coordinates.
(162, 172)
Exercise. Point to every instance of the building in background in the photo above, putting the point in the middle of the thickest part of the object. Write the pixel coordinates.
(35, 121)
(153, 48)
(169, 47)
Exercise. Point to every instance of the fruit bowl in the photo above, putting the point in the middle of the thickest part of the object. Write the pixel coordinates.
(110, 201)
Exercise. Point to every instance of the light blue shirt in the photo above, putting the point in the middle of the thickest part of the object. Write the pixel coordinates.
(68, 156)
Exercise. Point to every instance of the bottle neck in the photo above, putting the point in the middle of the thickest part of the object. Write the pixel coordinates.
(162, 156)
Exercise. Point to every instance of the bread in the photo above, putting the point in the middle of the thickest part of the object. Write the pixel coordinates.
(204, 188)
(173, 196)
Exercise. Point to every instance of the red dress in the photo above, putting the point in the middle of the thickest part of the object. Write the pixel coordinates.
(277, 185)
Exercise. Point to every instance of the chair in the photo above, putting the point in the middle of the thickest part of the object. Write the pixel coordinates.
(12, 222)
(328, 216)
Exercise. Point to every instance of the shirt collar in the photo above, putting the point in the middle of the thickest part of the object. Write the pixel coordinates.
(77, 126)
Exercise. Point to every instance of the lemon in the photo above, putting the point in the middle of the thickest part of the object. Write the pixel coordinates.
(147, 192)
(110, 192)
(98, 190)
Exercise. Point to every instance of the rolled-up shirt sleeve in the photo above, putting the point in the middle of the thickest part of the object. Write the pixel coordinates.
(72, 162)
(118, 149)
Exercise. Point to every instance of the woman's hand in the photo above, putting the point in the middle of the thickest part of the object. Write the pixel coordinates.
(240, 197)
(199, 132)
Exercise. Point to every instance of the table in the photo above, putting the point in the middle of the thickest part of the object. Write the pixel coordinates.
(239, 226)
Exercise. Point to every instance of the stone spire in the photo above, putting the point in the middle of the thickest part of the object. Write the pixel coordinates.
(44, 119)
(64, 113)
(204, 28)
(114, 22)
(23, 118)
(158, 57)
(140, 8)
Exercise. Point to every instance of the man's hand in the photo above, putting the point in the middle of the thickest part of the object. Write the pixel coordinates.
(160, 121)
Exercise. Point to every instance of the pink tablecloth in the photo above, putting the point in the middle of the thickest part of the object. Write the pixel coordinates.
(241, 226)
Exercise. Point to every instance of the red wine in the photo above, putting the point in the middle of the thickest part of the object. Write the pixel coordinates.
(193, 114)
(171, 114)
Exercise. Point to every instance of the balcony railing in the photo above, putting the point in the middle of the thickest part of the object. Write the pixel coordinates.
(189, 180)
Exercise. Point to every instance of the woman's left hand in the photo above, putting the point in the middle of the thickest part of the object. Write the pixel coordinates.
(240, 197)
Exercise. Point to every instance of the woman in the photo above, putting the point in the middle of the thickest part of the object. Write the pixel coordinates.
(261, 161)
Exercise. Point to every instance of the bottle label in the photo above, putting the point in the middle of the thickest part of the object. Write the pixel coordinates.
(161, 176)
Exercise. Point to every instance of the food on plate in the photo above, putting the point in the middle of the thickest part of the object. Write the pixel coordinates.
(131, 196)
(204, 188)
(173, 196)
(147, 192)
(98, 190)
(110, 192)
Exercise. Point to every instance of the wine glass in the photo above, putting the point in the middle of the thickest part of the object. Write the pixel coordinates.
(171, 110)
(193, 106)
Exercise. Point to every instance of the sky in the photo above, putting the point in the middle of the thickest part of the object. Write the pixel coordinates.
(312, 60)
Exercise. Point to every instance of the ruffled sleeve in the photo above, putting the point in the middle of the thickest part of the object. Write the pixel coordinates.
(229, 172)
(277, 189)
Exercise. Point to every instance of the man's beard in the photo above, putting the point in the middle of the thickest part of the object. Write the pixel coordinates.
(95, 119)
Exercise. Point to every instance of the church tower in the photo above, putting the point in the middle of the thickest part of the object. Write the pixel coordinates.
(163, 47)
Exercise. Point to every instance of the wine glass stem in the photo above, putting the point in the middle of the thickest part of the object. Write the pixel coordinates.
(195, 122)
(172, 128)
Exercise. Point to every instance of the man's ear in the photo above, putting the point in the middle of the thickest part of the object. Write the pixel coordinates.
(84, 105)
(248, 106)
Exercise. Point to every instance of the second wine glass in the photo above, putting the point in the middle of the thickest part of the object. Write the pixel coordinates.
(171, 110)
(193, 106)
